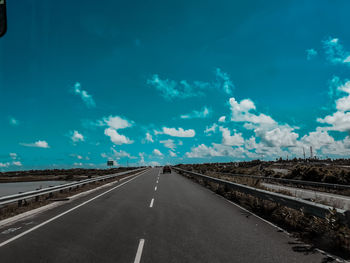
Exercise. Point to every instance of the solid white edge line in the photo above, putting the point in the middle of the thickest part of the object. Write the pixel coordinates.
(34, 212)
(66, 212)
(282, 230)
(151, 204)
(336, 258)
(139, 251)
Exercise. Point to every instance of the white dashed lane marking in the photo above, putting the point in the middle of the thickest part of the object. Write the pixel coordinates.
(139, 251)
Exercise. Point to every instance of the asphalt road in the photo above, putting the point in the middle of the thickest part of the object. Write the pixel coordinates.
(338, 201)
(170, 219)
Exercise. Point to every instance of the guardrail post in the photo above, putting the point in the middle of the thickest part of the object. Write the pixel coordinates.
(20, 203)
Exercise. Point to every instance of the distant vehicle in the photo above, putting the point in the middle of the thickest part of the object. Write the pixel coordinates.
(166, 169)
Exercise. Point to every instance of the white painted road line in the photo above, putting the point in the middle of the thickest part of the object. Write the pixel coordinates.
(139, 251)
(155, 188)
(151, 204)
(66, 212)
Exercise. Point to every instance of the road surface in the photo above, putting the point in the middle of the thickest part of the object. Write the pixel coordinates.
(152, 217)
(338, 201)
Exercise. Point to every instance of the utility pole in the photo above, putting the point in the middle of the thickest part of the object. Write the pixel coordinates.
(311, 155)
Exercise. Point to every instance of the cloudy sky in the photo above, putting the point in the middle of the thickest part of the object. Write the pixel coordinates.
(147, 82)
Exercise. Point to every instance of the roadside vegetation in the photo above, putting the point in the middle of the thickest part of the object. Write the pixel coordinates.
(333, 172)
(56, 174)
(328, 234)
(16, 208)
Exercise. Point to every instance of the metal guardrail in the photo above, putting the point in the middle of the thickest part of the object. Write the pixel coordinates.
(293, 181)
(5, 200)
(308, 207)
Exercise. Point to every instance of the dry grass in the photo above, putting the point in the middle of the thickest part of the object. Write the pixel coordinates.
(56, 174)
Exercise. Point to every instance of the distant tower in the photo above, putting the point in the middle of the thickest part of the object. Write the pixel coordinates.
(304, 152)
(311, 155)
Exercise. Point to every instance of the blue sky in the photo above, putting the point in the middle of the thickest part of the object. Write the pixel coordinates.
(172, 82)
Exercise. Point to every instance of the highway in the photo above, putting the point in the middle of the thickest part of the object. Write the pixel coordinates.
(150, 217)
(338, 201)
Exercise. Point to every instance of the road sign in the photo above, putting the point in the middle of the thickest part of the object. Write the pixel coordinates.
(110, 163)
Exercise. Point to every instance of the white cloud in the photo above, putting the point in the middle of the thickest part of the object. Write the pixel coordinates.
(282, 136)
(4, 165)
(116, 122)
(180, 132)
(222, 119)
(76, 136)
(149, 137)
(171, 89)
(211, 129)
(343, 104)
(311, 53)
(216, 150)
(205, 112)
(13, 156)
(235, 140)
(224, 82)
(317, 139)
(117, 138)
(142, 159)
(87, 98)
(251, 143)
(341, 147)
(241, 112)
(157, 152)
(172, 154)
(339, 120)
(17, 163)
(13, 121)
(335, 51)
(38, 144)
(169, 143)
(272, 135)
(119, 154)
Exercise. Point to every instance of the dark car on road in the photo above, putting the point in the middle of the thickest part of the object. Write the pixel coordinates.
(166, 169)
